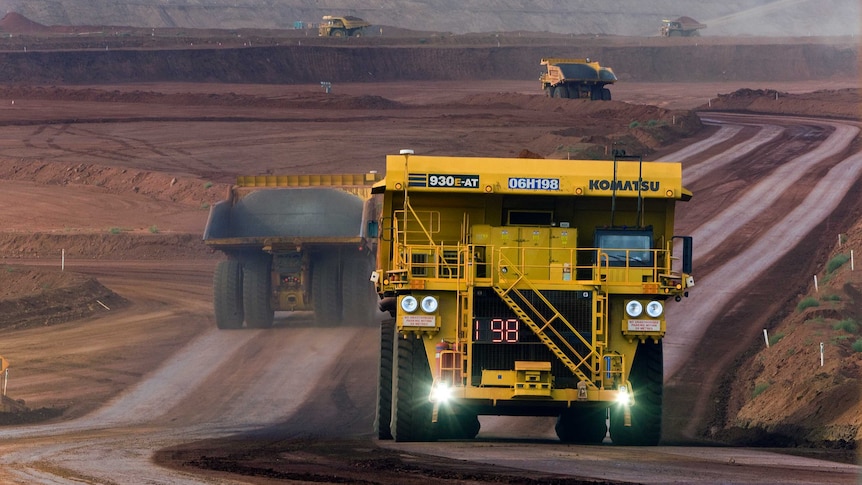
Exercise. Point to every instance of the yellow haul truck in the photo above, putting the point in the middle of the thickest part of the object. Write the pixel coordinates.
(526, 288)
(576, 78)
(346, 26)
(294, 243)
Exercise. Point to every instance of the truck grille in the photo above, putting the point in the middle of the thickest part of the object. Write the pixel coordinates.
(575, 306)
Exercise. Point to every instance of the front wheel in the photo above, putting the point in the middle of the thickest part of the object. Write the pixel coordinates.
(586, 425)
(411, 409)
(456, 425)
(384, 384)
(646, 377)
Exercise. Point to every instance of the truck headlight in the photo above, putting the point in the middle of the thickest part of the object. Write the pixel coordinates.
(409, 304)
(440, 392)
(429, 304)
(634, 308)
(654, 308)
(623, 397)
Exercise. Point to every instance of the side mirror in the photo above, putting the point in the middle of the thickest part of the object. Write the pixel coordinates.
(372, 229)
(687, 253)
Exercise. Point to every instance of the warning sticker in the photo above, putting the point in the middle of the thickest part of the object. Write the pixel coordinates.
(419, 321)
(644, 325)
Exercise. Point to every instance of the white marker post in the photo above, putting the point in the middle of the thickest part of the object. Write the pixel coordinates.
(63, 260)
(821, 354)
(815, 284)
(766, 338)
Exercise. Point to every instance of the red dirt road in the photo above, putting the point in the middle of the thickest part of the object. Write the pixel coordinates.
(157, 374)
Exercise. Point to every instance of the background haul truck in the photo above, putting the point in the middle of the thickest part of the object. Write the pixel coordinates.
(576, 78)
(526, 288)
(346, 26)
(294, 243)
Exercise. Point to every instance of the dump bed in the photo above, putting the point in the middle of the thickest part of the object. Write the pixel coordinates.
(290, 211)
(580, 70)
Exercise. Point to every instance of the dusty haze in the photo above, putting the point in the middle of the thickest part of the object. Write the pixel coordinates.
(622, 17)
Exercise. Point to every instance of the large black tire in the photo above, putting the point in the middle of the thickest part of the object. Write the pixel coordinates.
(595, 93)
(339, 33)
(358, 298)
(647, 377)
(606, 94)
(411, 409)
(585, 425)
(227, 294)
(384, 384)
(257, 292)
(326, 289)
(549, 91)
(454, 425)
(561, 91)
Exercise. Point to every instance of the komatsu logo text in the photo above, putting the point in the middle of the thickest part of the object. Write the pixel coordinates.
(625, 185)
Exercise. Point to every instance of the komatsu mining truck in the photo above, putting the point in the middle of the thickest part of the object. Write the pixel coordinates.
(576, 78)
(295, 243)
(346, 26)
(526, 288)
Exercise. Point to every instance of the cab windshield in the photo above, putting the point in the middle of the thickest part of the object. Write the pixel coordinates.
(625, 247)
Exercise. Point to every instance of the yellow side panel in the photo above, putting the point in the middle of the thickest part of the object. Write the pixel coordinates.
(564, 243)
(535, 242)
(498, 378)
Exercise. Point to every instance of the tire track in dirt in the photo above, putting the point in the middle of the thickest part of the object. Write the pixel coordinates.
(718, 291)
(766, 134)
(713, 234)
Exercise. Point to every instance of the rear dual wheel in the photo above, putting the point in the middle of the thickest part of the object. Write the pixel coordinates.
(242, 292)
(227, 294)
(561, 91)
(257, 292)
(326, 289)
(341, 289)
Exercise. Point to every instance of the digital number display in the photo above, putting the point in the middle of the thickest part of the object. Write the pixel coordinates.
(497, 330)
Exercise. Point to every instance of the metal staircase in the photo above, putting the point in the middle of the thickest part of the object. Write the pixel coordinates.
(569, 356)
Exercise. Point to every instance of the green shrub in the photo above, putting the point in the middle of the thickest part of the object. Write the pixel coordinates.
(115, 230)
(205, 206)
(836, 262)
(849, 325)
(832, 297)
(154, 229)
(807, 302)
(857, 345)
(634, 124)
(208, 185)
(759, 388)
(775, 338)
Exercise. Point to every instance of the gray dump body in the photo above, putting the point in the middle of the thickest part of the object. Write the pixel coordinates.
(586, 72)
(284, 216)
